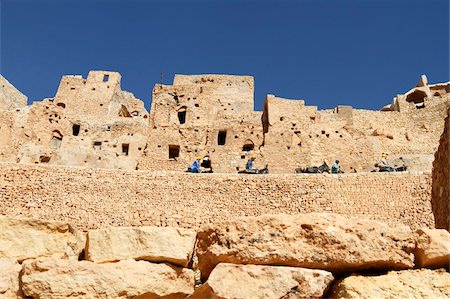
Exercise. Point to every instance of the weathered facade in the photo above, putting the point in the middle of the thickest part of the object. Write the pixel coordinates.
(91, 122)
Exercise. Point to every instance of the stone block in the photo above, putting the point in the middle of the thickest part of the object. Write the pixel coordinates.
(22, 239)
(49, 278)
(321, 241)
(156, 244)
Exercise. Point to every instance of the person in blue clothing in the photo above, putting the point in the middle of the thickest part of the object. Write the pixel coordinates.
(195, 166)
(335, 167)
(249, 165)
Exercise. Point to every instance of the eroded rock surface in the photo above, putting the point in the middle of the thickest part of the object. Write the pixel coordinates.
(157, 244)
(22, 239)
(9, 279)
(433, 248)
(322, 241)
(51, 278)
(422, 283)
(252, 281)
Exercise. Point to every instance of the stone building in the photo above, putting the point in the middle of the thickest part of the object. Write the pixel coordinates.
(91, 122)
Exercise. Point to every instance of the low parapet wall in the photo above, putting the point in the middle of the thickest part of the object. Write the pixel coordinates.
(93, 198)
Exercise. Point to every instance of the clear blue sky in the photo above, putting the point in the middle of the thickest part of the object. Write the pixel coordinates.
(359, 53)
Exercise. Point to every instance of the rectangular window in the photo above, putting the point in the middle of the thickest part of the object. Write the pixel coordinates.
(125, 148)
(221, 137)
(97, 145)
(174, 151)
(75, 130)
(182, 117)
(105, 78)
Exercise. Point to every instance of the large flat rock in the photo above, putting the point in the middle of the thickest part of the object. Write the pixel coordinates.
(433, 248)
(22, 239)
(51, 278)
(9, 279)
(423, 283)
(157, 244)
(254, 281)
(320, 241)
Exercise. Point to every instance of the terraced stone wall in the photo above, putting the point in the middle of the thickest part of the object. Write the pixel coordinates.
(95, 198)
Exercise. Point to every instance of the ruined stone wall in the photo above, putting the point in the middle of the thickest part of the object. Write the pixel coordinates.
(10, 97)
(298, 136)
(441, 179)
(92, 198)
(212, 115)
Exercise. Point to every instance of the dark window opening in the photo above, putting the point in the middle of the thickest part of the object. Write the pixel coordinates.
(61, 105)
(248, 147)
(221, 137)
(418, 98)
(75, 130)
(44, 159)
(182, 116)
(97, 145)
(125, 148)
(105, 78)
(197, 105)
(174, 151)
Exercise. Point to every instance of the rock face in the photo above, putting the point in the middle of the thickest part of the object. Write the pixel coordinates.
(50, 278)
(251, 281)
(402, 284)
(156, 244)
(321, 241)
(9, 279)
(433, 248)
(23, 239)
(440, 196)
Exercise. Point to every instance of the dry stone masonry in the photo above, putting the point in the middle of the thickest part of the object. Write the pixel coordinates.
(237, 259)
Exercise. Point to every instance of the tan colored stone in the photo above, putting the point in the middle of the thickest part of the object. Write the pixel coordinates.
(322, 241)
(433, 248)
(252, 281)
(423, 283)
(50, 278)
(156, 244)
(22, 238)
(9, 279)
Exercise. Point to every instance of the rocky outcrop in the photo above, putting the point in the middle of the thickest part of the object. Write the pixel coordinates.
(51, 278)
(9, 279)
(156, 244)
(321, 241)
(250, 281)
(422, 283)
(433, 248)
(440, 195)
(23, 239)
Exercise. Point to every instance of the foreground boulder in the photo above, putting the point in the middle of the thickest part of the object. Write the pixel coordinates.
(157, 244)
(251, 281)
(423, 283)
(23, 239)
(433, 248)
(9, 279)
(50, 278)
(322, 241)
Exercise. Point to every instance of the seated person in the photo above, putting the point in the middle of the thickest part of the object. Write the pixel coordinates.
(383, 164)
(195, 166)
(335, 167)
(206, 164)
(249, 165)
